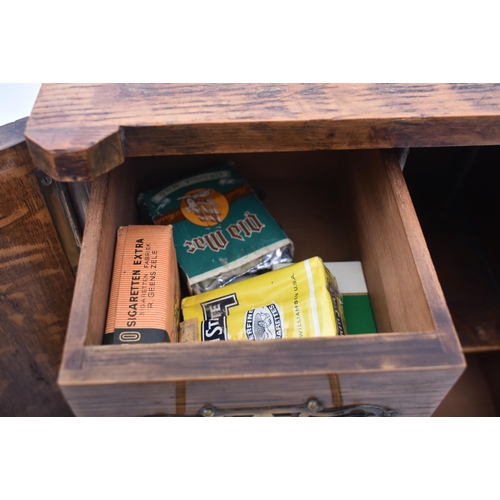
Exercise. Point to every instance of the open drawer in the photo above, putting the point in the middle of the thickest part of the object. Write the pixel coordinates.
(339, 205)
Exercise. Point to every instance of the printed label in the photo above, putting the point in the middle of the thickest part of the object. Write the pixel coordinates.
(204, 206)
(144, 297)
(214, 313)
(264, 323)
(214, 329)
(215, 241)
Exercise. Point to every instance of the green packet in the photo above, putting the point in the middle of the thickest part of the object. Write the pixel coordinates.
(222, 231)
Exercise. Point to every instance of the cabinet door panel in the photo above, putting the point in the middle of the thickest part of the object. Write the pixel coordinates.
(36, 287)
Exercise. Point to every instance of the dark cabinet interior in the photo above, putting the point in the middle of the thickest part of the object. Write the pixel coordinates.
(455, 192)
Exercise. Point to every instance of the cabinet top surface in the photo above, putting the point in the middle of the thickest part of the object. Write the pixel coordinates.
(78, 131)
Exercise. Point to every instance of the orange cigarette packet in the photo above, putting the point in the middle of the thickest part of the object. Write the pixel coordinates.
(145, 295)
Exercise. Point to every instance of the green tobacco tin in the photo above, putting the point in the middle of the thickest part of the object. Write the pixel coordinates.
(221, 229)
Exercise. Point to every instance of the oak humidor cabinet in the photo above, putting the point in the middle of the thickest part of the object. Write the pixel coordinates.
(321, 154)
(36, 285)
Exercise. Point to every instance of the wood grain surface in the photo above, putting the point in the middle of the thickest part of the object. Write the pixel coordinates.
(79, 131)
(410, 365)
(411, 392)
(477, 392)
(36, 286)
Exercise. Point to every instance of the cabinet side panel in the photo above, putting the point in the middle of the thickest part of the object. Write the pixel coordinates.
(35, 293)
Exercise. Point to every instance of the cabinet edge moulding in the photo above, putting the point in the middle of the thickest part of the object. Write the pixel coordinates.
(77, 132)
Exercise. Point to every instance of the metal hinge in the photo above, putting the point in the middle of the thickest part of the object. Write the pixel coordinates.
(312, 408)
(67, 204)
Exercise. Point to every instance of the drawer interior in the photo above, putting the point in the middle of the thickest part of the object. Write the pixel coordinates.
(339, 205)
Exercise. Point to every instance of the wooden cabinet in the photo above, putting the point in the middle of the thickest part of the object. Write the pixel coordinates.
(341, 205)
(36, 287)
(315, 152)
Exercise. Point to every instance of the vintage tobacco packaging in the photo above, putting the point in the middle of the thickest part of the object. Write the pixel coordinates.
(300, 300)
(145, 294)
(358, 312)
(221, 229)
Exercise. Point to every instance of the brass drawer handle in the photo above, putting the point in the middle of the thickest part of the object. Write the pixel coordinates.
(312, 408)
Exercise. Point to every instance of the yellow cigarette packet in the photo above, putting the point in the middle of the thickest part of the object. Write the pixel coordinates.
(301, 300)
(145, 295)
